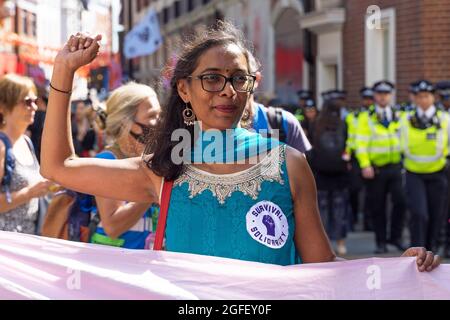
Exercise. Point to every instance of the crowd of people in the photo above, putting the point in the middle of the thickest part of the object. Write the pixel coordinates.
(265, 204)
(383, 163)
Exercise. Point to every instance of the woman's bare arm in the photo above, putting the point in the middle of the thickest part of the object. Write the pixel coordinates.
(127, 179)
(117, 216)
(310, 238)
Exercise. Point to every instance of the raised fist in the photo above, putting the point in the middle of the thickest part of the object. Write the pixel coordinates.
(81, 49)
(270, 225)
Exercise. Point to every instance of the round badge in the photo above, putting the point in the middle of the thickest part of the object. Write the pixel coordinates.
(267, 224)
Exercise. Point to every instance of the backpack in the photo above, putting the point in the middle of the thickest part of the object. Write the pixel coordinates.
(10, 164)
(328, 150)
(69, 216)
(275, 119)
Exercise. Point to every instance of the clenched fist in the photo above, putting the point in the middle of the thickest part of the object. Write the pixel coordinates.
(80, 50)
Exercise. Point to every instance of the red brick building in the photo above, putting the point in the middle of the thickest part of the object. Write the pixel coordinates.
(318, 44)
(18, 35)
(420, 47)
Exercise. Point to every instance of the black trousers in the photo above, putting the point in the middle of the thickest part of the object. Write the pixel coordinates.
(427, 200)
(355, 189)
(333, 208)
(388, 180)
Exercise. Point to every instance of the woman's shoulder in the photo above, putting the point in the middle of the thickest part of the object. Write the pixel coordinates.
(299, 171)
(295, 157)
(29, 143)
(296, 163)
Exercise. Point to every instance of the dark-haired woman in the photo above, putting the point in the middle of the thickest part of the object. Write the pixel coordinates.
(236, 209)
(327, 158)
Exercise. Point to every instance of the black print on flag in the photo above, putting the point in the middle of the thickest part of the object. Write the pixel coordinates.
(144, 39)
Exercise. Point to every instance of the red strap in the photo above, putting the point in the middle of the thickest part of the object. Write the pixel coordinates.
(161, 227)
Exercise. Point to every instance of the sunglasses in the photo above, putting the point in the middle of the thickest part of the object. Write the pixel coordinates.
(30, 101)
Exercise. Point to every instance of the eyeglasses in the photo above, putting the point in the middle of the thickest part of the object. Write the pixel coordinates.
(30, 101)
(216, 82)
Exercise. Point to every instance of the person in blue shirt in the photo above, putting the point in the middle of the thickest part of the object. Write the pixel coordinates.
(263, 119)
(131, 111)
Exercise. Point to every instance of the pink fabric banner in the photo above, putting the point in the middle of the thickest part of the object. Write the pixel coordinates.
(34, 267)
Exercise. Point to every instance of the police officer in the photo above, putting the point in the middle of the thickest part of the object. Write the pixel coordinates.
(443, 92)
(303, 97)
(378, 154)
(425, 143)
(310, 113)
(356, 183)
(352, 118)
(340, 97)
(366, 94)
(325, 95)
(410, 104)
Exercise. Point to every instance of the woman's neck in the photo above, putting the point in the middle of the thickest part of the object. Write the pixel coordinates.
(125, 148)
(116, 149)
(202, 127)
(14, 131)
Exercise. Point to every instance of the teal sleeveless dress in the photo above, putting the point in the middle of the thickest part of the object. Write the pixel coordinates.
(246, 215)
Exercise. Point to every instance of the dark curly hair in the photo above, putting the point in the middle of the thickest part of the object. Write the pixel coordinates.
(157, 154)
(328, 119)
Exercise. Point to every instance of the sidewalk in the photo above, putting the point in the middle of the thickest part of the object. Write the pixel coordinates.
(361, 244)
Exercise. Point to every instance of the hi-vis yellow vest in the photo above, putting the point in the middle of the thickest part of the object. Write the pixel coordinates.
(425, 150)
(352, 122)
(375, 144)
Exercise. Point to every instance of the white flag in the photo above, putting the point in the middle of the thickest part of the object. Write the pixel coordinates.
(145, 38)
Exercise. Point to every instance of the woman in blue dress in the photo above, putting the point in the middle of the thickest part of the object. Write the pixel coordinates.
(250, 198)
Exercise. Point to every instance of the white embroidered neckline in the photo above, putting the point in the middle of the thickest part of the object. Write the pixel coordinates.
(247, 181)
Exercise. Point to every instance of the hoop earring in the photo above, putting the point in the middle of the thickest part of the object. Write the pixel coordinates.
(246, 120)
(188, 116)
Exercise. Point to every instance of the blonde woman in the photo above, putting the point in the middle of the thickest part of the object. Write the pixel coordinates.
(18, 163)
(130, 113)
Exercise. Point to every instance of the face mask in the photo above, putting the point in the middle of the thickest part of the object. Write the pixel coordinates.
(142, 137)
